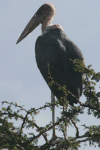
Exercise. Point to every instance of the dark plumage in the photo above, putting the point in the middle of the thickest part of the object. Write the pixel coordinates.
(56, 49)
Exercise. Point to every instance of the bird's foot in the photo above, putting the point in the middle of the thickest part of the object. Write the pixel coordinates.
(56, 139)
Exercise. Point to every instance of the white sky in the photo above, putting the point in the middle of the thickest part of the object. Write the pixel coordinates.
(20, 79)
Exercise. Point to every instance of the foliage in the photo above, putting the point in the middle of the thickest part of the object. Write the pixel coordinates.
(12, 137)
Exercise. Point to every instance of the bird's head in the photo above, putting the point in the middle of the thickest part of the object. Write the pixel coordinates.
(44, 12)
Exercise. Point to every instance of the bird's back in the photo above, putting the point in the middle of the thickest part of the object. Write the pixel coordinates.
(53, 53)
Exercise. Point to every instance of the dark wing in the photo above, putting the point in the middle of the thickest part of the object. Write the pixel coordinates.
(76, 83)
(55, 49)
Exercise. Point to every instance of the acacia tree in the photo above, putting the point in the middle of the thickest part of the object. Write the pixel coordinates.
(12, 137)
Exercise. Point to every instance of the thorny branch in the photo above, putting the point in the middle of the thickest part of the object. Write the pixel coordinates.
(90, 135)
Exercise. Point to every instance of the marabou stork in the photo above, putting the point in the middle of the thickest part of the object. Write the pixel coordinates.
(54, 52)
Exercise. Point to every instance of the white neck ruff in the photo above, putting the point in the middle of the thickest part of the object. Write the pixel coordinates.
(48, 28)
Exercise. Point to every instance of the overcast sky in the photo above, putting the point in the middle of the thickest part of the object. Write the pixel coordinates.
(20, 79)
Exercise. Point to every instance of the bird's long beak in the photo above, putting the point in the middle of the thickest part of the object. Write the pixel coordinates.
(33, 23)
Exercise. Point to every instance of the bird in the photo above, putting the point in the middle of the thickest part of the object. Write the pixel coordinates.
(55, 54)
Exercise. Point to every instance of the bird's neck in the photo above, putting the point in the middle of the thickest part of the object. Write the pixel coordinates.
(47, 22)
(50, 27)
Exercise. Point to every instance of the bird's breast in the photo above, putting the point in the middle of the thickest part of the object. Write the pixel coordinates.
(45, 52)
